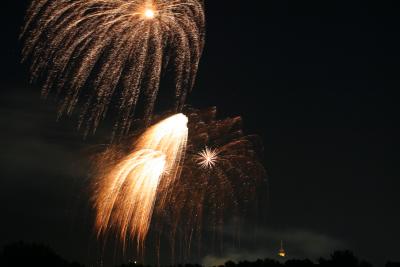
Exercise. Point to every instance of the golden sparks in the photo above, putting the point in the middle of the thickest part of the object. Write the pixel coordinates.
(95, 52)
(124, 196)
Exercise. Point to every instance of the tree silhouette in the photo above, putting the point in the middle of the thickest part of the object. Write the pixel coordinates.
(26, 255)
(343, 258)
(299, 263)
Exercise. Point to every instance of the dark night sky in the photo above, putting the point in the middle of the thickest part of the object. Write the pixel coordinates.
(318, 81)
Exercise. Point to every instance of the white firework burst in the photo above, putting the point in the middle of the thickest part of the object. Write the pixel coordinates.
(207, 158)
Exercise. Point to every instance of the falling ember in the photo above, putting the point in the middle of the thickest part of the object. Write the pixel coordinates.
(118, 49)
(125, 195)
(207, 158)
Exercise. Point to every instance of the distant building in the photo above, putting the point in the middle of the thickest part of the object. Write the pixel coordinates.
(282, 252)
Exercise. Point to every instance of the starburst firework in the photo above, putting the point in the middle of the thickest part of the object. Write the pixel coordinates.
(207, 158)
(118, 49)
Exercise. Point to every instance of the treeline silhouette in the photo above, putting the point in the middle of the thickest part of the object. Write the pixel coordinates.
(26, 255)
(337, 259)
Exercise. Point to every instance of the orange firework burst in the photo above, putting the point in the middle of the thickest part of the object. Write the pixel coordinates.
(220, 179)
(125, 194)
(119, 48)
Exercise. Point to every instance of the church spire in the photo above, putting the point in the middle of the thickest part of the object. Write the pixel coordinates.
(282, 252)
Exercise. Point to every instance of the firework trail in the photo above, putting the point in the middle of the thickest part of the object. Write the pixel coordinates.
(118, 48)
(126, 188)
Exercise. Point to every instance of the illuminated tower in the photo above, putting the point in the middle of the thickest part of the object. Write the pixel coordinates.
(282, 252)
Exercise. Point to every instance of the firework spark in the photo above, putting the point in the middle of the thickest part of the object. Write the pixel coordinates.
(119, 48)
(207, 158)
(126, 192)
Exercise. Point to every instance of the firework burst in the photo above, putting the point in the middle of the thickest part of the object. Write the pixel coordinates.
(118, 48)
(207, 158)
(219, 182)
(222, 181)
(127, 187)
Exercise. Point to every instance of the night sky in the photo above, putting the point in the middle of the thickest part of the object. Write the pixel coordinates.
(318, 81)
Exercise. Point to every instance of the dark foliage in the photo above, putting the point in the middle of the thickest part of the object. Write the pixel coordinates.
(337, 259)
(27, 255)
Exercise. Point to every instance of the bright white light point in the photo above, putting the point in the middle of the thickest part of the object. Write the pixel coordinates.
(149, 13)
(207, 158)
